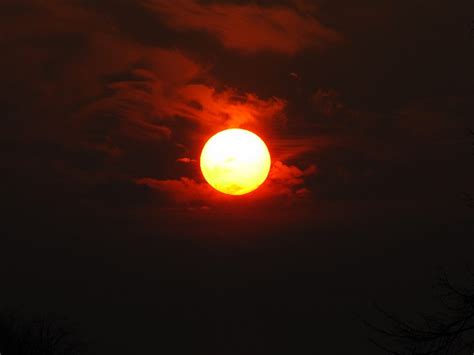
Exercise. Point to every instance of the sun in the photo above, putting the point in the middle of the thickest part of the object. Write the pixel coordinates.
(235, 161)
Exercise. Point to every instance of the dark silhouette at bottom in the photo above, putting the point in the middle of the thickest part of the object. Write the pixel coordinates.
(45, 335)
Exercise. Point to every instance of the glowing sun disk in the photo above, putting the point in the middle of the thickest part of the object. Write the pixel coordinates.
(235, 161)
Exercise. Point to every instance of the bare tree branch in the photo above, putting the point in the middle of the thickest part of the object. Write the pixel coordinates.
(447, 333)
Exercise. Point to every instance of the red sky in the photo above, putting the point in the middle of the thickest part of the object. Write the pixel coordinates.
(366, 108)
(144, 103)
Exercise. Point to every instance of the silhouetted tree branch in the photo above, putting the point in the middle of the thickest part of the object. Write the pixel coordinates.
(445, 333)
(37, 336)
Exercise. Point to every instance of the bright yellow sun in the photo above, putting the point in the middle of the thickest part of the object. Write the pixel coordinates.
(235, 161)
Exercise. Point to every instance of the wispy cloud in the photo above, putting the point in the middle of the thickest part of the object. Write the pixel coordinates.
(248, 27)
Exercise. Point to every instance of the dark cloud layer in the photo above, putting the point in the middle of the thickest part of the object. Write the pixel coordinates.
(248, 27)
(113, 96)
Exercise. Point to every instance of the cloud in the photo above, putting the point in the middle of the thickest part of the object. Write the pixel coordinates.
(183, 191)
(289, 175)
(285, 182)
(119, 109)
(327, 102)
(224, 109)
(248, 27)
(186, 160)
(154, 100)
(287, 148)
(137, 101)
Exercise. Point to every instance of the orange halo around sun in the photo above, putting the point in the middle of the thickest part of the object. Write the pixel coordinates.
(235, 161)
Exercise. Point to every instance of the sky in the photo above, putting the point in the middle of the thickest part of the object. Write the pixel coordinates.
(366, 109)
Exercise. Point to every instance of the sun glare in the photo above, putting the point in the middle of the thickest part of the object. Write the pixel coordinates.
(235, 161)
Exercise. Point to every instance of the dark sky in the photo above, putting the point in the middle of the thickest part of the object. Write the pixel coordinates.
(105, 105)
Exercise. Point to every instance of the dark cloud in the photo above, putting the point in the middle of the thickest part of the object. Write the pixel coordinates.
(248, 27)
(327, 102)
(102, 94)
(105, 97)
(285, 184)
